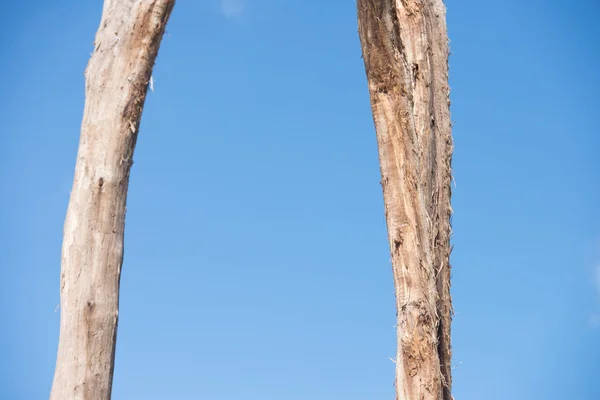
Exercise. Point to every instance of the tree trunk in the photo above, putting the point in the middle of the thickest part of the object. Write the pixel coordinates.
(117, 77)
(405, 51)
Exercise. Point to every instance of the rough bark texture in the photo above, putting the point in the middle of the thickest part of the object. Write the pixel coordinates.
(117, 77)
(405, 51)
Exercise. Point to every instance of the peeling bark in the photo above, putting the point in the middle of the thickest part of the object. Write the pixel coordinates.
(117, 77)
(405, 51)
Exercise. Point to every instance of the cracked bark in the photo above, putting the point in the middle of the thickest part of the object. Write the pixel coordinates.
(405, 51)
(117, 77)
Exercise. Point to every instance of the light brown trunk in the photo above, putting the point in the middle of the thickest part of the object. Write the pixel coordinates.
(405, 50)
(117, 77)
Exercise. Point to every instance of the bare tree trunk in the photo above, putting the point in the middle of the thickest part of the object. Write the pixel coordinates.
(405, 50)
(117, 77)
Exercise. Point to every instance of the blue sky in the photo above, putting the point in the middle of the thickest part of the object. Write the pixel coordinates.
(256, 261)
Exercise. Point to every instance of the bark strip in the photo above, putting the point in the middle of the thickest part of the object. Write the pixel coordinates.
(405, 51)
(117, 78)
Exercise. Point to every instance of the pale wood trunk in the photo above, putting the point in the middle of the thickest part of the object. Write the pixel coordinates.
(117, 77)
(405, 51)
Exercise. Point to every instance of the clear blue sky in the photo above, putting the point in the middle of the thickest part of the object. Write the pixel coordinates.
(256, 262)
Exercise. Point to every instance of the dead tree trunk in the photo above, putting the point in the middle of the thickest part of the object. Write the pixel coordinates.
(117, 77)
(405, 51)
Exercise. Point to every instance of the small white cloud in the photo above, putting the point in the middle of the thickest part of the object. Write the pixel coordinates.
(233, 8)
(595, 320)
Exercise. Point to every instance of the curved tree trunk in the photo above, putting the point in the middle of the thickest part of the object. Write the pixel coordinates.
(117, 77)
(405, 50)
